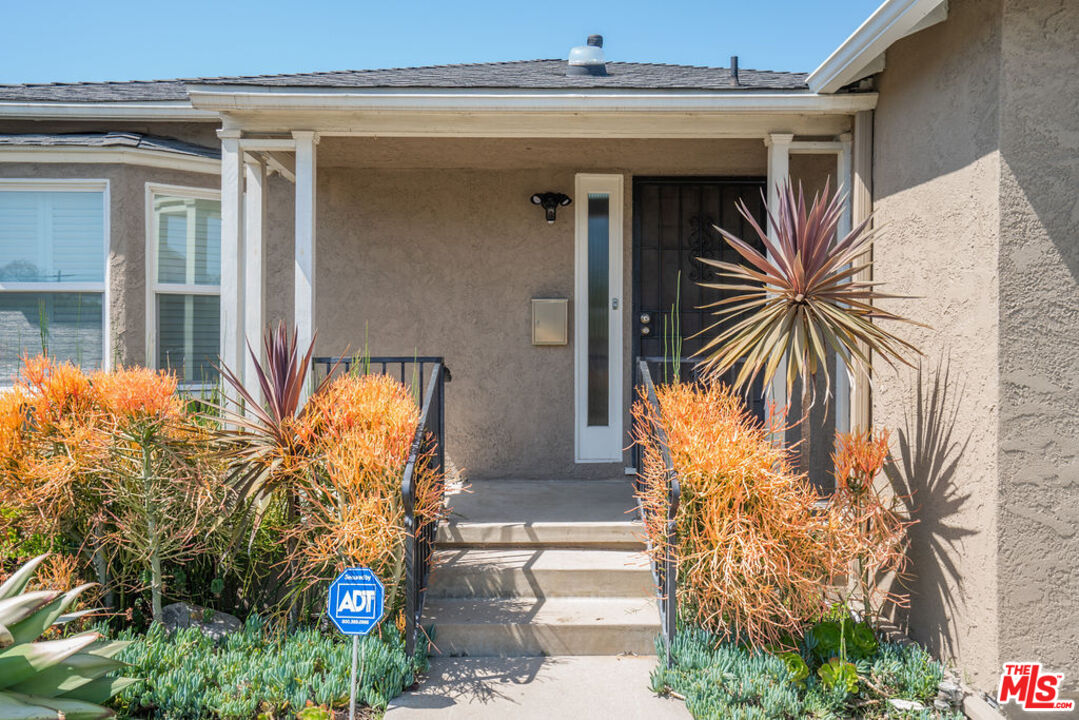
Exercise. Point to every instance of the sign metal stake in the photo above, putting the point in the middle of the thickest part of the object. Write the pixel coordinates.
(352, 684)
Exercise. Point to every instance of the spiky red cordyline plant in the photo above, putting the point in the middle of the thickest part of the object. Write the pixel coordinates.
(263, 444)
(800, 299)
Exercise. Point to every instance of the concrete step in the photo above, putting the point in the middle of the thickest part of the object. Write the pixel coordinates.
(621, 534)
(514, 627)
(540, 572)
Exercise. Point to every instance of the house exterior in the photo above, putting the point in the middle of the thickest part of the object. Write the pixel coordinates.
(167, 222)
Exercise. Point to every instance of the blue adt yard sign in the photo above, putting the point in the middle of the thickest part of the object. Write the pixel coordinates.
(357, 601)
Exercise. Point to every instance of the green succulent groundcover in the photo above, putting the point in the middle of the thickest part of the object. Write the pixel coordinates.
(723, 680)
(257, 673)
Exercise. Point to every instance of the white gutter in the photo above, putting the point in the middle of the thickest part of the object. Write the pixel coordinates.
(178, 110)
(862, 53)
(221, 98)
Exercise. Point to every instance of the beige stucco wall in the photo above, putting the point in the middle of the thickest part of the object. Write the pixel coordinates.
(433, 247)
(975, 179)
(936, 179)
(1038, 516)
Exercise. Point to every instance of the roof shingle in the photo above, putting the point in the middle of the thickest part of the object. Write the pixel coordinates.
(523, 74)
(533, 74)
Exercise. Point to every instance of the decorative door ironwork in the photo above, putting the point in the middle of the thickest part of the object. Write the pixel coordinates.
(674, 223)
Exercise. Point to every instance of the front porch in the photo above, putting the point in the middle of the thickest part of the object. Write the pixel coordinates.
(426, 243)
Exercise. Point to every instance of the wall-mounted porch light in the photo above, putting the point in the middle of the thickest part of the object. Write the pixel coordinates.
(551, 201)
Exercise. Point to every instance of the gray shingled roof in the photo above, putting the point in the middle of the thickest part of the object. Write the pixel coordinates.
(134, 91)
(109, 139)
(537, 74)
(529, 74)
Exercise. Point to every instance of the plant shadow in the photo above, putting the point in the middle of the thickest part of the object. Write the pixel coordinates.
(922, 472)
(472, 680)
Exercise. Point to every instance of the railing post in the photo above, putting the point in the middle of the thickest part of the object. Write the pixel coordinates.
(666, 570)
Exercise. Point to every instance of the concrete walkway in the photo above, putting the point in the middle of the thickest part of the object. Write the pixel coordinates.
(527, 688)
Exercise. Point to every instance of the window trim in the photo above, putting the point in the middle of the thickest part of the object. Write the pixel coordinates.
(93, 185)
(155, 288)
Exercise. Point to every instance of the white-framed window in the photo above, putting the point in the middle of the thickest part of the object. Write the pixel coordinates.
(183, 281)
(54, 272)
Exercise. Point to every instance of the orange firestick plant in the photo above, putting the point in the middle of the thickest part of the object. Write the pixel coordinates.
(131, 482)
(759, 557)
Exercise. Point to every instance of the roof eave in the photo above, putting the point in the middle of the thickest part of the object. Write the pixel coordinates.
(217, 98)
(859, 53)
(180, 110)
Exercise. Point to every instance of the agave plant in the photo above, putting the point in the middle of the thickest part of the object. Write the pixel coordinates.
(801, 299)
(51, 679)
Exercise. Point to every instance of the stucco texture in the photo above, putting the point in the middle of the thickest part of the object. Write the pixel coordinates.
(1038, 516)
(433, 248)
(974, 178)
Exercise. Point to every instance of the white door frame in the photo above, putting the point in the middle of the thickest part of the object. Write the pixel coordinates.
(598, 443)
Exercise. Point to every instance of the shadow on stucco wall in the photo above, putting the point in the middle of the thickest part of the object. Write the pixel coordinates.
(922, 472)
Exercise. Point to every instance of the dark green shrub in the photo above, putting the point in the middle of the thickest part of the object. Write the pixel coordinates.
(188, 676)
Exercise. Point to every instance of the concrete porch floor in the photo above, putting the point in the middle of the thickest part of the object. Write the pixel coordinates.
(538, 501)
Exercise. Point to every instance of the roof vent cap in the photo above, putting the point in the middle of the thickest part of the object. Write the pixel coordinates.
(588, 59)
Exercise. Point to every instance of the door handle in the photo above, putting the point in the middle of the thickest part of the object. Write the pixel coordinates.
(614, 303)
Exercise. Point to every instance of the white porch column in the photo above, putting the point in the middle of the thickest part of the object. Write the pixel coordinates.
(306, 167)
(861, 208)
(255, 248)
(232, 280)
(779, 147)
(843, 182)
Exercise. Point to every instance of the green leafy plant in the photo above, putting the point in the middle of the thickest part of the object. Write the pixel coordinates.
(51, 678)
(796, 665)
(839, 674)
(800, 299)
(834, 638)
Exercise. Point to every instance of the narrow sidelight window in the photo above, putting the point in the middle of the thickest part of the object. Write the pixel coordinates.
(599, 372)
(599, 223)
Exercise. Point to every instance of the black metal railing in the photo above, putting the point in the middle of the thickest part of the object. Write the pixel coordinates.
(664, 571)
(427, 377)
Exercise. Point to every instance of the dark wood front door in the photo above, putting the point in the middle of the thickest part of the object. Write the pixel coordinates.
(673, 221)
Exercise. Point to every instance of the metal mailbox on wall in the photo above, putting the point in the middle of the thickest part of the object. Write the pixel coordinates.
(550, 321)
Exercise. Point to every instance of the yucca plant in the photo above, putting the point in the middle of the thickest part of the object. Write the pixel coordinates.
(51, 679)
(800, 299)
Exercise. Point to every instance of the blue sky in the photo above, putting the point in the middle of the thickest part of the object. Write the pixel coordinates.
(46, 41)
